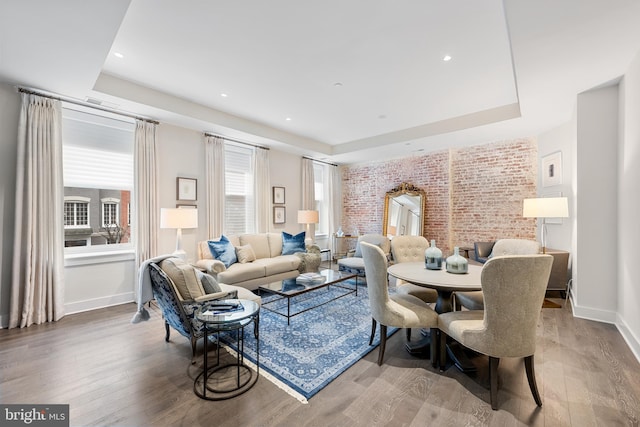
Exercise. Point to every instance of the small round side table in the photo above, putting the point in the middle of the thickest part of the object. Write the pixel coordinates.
(224, 381)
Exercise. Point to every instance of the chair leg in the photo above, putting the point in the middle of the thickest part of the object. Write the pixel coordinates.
(493, 380)
(373, 330)
(434, 346)
(383, 343)
(531, 376)
(167, 331)
(256, 326)
(442, 358)
(194, 342)
(408, 334)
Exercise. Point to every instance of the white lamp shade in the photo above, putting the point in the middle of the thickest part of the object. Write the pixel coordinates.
(308, 217)
(546, 207)
(178, 218)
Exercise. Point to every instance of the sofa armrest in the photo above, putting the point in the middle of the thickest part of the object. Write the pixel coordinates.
(211, 266)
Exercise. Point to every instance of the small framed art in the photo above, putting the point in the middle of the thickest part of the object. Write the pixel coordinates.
(552, 169)
(187, 189)
(278, 195)
(279, 214)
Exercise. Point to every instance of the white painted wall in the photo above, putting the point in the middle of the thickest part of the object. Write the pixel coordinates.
(559, 236)
(595, 276)
(9, 113)
(628, 318)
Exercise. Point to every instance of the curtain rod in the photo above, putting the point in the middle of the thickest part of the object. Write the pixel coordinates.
(84, 104)
(320, 161)
(235, 140)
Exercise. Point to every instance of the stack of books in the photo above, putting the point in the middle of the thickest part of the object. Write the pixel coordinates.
(310, 278)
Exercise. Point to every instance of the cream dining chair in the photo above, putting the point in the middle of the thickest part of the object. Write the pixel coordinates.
(474, 300)
(503, 328)
(400, 311)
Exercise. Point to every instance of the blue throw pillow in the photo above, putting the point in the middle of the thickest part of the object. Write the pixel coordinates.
(292, 244)
(223, 250)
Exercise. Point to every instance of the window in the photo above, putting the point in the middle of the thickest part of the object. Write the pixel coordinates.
(321, 190)
(98, 177)
(239, 215)
(76, 212)
(110, 212)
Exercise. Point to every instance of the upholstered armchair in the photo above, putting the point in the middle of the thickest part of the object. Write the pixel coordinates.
(474, 300)
(179, 292)
(400, 311)
(354, 263)
(514, 288)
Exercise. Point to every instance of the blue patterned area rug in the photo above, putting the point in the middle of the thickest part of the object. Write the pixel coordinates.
(318, 345)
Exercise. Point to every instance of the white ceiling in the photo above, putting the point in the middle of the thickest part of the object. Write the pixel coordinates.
(515, 71)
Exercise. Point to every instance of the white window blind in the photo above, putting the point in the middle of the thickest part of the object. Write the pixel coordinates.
(97, 151)
(239, 191)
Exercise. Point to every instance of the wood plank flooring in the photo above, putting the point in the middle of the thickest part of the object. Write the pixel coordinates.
(113, 373)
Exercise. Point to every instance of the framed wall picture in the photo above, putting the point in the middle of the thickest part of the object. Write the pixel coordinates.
(278, 195)
(552, 169)
(187, 189)
(279, 214)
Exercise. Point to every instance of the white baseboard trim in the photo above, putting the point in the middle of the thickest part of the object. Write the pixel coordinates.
(95, 303)
(596, 314)
(632, 341)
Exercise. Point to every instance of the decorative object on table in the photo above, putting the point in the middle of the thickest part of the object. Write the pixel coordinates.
(308, 217)
(545, 207)
(279, 214)
(340, 233)
(187, 189)
(310, 277)
(278, 195)
(179, 218)
(552, 169)
(456, 263)
(433, 257)
(331, 337)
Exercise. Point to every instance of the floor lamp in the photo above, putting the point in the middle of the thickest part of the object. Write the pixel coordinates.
(545, 207)
(179, 219)
(308, 217)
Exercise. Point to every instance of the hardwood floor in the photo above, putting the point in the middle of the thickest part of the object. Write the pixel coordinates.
(113, 373)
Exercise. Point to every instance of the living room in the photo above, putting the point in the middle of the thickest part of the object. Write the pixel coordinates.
(598, 140)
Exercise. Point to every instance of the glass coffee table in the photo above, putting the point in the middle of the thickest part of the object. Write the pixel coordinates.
(304, 283)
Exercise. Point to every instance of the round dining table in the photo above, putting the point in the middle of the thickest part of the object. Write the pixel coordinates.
(445, 284)
(442, 281)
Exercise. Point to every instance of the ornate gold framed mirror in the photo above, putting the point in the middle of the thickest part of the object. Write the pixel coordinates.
(404, 210)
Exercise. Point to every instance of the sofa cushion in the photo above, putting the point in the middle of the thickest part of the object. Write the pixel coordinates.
(184, 277)
(275, 244)
(245, 254)
(279, 264)
(292, 244)
(259, 243)
(241, 272)
(223, 250)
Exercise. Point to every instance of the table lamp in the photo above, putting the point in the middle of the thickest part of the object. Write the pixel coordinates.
(545, 207)
(308, 217)
(179, 219)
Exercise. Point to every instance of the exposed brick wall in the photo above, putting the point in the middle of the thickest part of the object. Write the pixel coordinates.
(473, 194)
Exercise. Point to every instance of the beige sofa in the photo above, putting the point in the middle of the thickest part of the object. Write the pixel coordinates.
(269, 264)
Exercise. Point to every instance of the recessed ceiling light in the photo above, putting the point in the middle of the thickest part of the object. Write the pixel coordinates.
(288, 119)
(224, 95)
(446, 58)
(118, 55)
(337, 84)
(382, 116)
